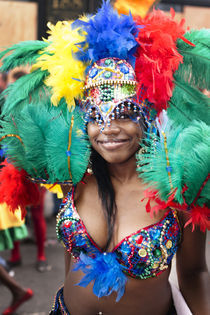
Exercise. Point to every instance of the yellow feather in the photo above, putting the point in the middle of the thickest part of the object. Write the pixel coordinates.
(66, 74)
(55, 189)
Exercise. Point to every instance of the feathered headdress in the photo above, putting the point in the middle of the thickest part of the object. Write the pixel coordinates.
(44, 131)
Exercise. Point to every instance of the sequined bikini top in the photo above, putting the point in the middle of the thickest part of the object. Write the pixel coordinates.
(143, 254)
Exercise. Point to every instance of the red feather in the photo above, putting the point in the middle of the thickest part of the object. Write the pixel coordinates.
(157, 56)
(16, 190)
(198, 215)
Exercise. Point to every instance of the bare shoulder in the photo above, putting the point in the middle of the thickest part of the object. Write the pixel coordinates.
(86, 189)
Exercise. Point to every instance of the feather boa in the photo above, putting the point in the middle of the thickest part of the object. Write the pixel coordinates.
(106, 273)
(16, 190)
(157, 56)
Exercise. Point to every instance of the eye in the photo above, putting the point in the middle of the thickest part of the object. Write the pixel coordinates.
(95, 118)
(92, 119)
(122, 116)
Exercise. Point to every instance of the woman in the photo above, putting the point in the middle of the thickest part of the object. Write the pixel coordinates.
(107, 212)
(123, 73)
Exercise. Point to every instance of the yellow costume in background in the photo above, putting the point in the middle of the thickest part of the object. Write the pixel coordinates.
(12, 227)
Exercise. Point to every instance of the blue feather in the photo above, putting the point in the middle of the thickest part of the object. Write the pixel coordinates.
(105, 271)
(109, 34)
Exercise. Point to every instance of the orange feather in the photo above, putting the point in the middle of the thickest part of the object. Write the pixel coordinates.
(137, 7)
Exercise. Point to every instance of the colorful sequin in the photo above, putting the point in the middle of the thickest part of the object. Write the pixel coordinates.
(143, 254)
(110, 84)
(59, 306)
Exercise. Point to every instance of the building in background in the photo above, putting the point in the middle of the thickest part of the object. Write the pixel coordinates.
(27, 20)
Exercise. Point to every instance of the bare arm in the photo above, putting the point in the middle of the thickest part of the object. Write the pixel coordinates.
(192, 272)
(67, 259)
(67, 256)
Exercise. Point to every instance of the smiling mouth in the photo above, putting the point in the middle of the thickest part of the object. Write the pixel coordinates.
(112, 144)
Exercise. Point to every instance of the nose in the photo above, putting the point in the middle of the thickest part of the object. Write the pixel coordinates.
(112, 128)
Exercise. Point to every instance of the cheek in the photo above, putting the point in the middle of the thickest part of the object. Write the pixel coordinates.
(135, 131)
(92, 131)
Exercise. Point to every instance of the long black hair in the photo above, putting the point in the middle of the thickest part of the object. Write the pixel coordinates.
(105, 191)
(105, 188)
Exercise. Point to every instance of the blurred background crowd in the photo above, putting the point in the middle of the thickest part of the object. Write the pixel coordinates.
(24, 262)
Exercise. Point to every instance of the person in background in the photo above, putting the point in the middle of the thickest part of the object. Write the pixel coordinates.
(39, 225)
(3, 86)
(3, 81)
(12, 229)
(19, 294)
(17, 75)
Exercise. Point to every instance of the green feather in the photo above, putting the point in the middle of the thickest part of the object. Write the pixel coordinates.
(188, 104)
(12, 145)
(29, 126)
(22, 91)
(57, 147)
(44, 131)
(152, 166)
(194, 146)
(195, 68)
(189, 158)
(22, 54)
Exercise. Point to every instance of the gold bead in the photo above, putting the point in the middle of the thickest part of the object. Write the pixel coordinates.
(163, 267)
(169, 244)
(155, 266)
(142, 253)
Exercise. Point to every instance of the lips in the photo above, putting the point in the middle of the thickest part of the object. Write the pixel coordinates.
(112, 144)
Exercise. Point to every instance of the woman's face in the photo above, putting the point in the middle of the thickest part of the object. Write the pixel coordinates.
(118, 142)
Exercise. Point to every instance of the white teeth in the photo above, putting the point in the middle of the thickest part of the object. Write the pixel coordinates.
(111, 141)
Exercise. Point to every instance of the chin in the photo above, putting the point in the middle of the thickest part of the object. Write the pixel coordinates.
(117, 158)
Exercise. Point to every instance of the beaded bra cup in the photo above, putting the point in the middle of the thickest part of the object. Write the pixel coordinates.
(143, 254)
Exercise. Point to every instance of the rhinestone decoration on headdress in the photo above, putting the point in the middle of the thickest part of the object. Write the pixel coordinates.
(110, 84)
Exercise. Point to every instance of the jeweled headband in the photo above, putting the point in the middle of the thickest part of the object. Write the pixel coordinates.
(110, 86)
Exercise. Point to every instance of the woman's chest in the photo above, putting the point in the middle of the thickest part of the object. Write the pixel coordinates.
(128, 216)
(140, 248)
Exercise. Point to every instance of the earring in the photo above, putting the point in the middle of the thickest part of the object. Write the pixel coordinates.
(140, 156)
(141, 151)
